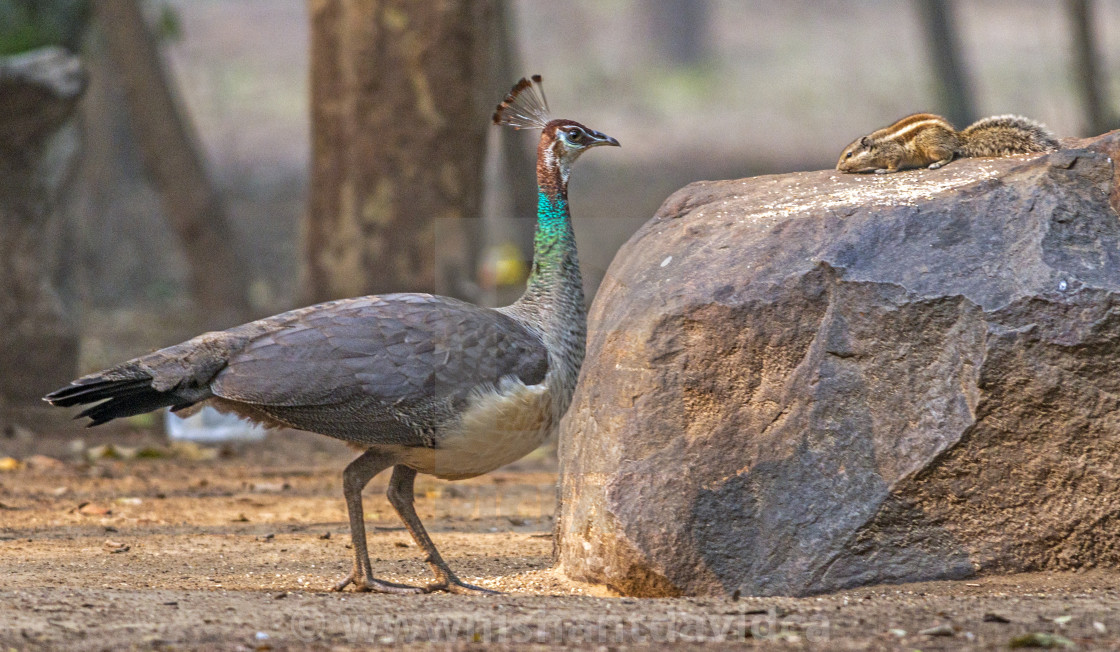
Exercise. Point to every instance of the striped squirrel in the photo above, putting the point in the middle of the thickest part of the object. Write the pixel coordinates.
(927, 140)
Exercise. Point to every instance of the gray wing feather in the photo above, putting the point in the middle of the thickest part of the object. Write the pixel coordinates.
(394, 350)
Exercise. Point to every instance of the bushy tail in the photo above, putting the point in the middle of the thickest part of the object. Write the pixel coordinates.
(120, 397)
(1004, 135)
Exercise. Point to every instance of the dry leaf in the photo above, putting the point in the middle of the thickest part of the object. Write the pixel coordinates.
(43, 462)
(90, 509)
(115, 547)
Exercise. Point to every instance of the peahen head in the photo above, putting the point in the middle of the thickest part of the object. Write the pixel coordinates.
(562, 141)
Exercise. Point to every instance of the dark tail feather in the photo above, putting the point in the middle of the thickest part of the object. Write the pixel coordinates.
(127, 405)
(81, 392)
(126, 398)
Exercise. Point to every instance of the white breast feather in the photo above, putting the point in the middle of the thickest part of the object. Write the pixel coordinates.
(499, 427)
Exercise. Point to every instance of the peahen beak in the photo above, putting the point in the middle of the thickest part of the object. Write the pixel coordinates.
(599, 138)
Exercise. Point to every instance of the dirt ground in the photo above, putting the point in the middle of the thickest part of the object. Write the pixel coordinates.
(171, 550)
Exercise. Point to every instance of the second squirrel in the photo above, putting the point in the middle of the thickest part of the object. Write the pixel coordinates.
(928, 140)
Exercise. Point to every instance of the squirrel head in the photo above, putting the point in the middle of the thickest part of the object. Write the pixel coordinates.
(858, 157)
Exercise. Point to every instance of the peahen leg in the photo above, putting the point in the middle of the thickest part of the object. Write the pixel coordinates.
(356, 476)
(401, 495)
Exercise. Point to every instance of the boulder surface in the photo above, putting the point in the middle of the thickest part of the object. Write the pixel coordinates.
(806, 382)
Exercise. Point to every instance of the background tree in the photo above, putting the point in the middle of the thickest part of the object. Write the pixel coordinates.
(217, 278)
(954, 92)
(29, 24)
(1087, 69)
(399, 106)
(38, 144)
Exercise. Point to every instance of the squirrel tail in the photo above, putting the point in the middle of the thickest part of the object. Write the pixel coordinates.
(1004, 135)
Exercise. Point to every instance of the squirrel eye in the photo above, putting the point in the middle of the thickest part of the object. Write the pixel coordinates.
(849, 155)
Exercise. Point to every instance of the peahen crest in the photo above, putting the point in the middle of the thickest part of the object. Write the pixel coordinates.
(525, 107)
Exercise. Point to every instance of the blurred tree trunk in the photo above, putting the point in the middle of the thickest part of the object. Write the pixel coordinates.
(218, 279)
(510, 211)
(518, 146)
(954, 92)
(1087, 69)
(38, 145)
(399, 111)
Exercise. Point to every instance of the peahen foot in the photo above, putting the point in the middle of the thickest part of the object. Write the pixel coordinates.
(374, 585)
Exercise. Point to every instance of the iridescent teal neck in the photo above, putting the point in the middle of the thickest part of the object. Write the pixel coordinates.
(554, 242)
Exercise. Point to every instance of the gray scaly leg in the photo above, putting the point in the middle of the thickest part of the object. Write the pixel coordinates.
(357, 474)
(401, 496)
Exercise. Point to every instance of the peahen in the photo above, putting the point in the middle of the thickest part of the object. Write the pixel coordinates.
(426, 384)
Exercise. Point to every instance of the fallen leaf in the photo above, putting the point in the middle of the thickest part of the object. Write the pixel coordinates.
(43, 462)
(115, 547)
(102, 452)
(939, 630)
(189, 450)
(1040, 639)
(10, 464)
(151, 453)
(90, 509)
(995, 618)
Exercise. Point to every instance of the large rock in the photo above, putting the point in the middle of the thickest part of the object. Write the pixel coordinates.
(813, 381)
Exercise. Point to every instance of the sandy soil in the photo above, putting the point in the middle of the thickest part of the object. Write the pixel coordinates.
(239, 552)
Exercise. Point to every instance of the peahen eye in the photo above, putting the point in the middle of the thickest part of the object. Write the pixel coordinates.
(575, 135)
